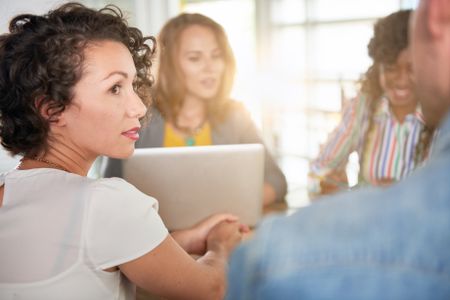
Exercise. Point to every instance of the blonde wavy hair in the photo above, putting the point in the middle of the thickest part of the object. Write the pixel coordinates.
(170, 88)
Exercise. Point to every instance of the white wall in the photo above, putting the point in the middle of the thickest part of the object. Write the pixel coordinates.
(152, 14)
(11, 8)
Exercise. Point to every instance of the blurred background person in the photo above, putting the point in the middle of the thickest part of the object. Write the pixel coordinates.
(192, 97)
(383, 124)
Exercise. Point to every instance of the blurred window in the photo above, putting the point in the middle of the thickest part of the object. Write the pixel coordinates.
(298, 61)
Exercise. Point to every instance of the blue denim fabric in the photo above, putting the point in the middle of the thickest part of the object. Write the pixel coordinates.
(391, 243)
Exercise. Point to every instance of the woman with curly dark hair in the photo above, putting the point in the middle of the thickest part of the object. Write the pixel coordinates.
(74, 84)
(192, 97)
(384, 124)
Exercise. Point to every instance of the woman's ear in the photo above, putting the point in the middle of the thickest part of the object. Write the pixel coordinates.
(49, 111)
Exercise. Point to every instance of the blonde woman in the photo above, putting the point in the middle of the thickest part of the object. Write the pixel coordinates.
(192, 97)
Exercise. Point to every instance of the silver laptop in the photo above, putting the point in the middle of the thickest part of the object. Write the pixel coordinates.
(192, 183)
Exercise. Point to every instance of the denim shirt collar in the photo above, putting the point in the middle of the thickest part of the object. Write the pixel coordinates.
(443, 138)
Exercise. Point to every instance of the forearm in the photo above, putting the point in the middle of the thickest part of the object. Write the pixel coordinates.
(269, 194)
(216, 261)
(207, 280)
(342, 141)
(330, 183)
(185, 239)
(219, 234)
(179, 276)
(274, 177)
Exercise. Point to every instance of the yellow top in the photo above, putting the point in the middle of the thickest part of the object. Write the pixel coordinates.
(173, 139)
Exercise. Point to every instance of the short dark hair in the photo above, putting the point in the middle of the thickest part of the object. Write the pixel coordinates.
(41, 60)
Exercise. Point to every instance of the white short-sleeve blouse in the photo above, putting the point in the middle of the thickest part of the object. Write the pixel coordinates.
(59, 231)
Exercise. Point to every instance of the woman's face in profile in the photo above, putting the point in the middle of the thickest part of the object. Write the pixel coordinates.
(103, 118)
(396, 80)
(201, 62)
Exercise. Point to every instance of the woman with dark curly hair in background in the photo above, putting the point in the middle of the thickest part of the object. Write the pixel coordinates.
(384, 124)
(74, 85)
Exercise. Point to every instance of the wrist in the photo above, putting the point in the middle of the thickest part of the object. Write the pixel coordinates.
(190, 240)
(183, 238)
(219, 249)
(217, 256)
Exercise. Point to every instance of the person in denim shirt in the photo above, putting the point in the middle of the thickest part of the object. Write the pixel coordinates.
(390, 243)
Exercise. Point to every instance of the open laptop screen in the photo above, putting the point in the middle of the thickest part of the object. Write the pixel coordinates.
(191, 183)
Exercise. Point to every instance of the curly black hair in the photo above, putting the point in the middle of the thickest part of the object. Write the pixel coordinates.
(390, 37)
(41, 61)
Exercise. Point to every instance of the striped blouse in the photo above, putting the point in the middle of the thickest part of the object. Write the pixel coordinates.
(389, 153)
